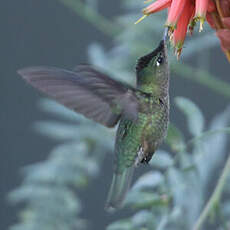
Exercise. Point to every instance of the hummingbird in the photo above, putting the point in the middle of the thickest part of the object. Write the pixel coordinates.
(142, 111)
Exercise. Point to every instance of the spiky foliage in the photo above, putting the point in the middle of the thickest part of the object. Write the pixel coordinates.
(50, 188)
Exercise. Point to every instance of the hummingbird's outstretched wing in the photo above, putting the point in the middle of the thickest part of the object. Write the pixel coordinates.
(86, 91)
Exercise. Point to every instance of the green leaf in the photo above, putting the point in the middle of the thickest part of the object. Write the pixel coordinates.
(45, 195)
(97, 55)
(148, 180)
(162, 160)
(184, 185)
(143, 200)
(163, 222)
(209, 133)
(120, 225)
(63, 132)
(195, 118)
(143, 218)
(60, 111)
(212, 149)
(177, 185)
(175, 139)
(226, 208)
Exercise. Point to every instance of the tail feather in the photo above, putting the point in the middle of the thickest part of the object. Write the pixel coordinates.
(118, 189)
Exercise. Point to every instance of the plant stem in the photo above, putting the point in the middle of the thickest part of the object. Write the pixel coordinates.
(91, 15)
(202, 77)
(215, 197)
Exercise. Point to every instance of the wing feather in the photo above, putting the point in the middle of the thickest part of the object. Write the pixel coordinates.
(86, 91)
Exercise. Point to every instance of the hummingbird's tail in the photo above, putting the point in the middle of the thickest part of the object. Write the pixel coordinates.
(119, 188)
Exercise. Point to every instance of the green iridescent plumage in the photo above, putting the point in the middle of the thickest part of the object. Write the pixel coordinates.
(136, 142)
(142, 112)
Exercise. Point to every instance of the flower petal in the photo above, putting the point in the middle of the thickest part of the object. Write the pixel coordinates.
(156, 6)
(201, 10)
(176, 9)
(182, 25)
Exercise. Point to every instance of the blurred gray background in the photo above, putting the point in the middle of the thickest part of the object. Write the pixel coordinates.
(44, 32)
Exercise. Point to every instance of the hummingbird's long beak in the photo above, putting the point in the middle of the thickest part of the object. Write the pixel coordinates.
(165, 35)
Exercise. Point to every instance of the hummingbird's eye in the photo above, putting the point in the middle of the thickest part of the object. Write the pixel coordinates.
(160, 60)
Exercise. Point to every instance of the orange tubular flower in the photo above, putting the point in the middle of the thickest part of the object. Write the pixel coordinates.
(184, 14)
(179, 33)
(201, 9)
(176, 9)
(156, 6)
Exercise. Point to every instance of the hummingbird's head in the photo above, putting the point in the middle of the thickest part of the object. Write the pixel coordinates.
(153, 67)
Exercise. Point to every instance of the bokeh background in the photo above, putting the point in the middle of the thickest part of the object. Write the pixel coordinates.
(46, 32)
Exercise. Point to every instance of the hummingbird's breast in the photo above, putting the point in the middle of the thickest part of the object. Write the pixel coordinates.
(155, 129)
(136, 142)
